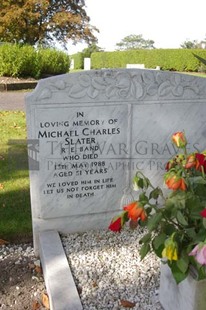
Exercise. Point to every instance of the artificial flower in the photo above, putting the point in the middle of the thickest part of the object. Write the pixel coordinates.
(170, 251)
(135, 211)
(116, 224)
(170, 164)
(182, 211)
(135, 183)
(178, 159)
(203, 213)
(179, 139)
(199, 253)
(175, 182)
(202, 160)
(192, 162)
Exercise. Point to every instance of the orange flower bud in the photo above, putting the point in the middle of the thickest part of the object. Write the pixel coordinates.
(116, 225)
(183, 185)
(179, 139)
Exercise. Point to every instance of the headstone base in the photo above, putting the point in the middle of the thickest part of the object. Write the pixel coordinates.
(60, 285)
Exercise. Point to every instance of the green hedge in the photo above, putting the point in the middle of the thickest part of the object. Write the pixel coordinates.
(78, 60)
(18, 61)
(168, 59)
(26, 61)
(53, 62)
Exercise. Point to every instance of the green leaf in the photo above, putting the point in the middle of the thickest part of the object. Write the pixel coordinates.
(195, 212)
(197, 180)
(155, 193)
(146, 238)
(169, 203)
(200, 236)
(125, 217)
(146, 182)
(143, 223)
(191, 232)
(143, 199)
(201, 273)
(169, 229)
(138, 181)
(148, 210)
(159, 240)
(183, 263)
(178, 275)
(204, 222)
(158, 244)
(176, 200)
(158, 251)
(181, 219)
(154, 221)
(144, 250)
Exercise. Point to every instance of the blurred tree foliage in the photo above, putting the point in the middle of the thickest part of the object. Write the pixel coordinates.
(133, 42)
(92, 48)
(44, 21)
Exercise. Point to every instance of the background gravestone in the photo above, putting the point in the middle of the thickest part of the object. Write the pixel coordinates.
(94, 130)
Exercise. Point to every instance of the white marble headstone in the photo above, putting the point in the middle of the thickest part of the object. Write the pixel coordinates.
(90, 131)
(87, 63)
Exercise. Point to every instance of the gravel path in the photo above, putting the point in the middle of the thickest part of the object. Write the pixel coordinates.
(12, 100)
(108, 271)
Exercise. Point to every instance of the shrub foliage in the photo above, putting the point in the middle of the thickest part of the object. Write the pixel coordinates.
(168, 59)
(26, 61)
(78, 60)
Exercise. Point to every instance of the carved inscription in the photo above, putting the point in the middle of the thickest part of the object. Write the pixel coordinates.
(77, 154)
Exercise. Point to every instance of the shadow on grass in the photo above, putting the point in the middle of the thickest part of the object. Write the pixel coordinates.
(15, 211)
(14, 162)
(15, 215)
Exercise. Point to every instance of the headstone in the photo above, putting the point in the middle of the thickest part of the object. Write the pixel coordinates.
(72, 64)
(135, 66)
(87, 63)
(92, 130)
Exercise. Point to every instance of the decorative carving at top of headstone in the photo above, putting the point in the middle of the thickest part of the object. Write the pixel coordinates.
(125, 84)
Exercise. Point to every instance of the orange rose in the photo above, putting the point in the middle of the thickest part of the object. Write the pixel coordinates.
(179, 139)
(192, 162)
(135, 211)
(174, 182)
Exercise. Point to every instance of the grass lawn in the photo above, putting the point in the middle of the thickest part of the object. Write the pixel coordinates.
(15, 214)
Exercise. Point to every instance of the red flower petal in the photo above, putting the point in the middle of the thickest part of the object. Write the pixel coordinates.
(201, 158)
(116, 225)
(203, 213)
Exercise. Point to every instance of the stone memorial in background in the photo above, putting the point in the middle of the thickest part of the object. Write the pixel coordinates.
(92, 130)
(135, 66)
(87, 63)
